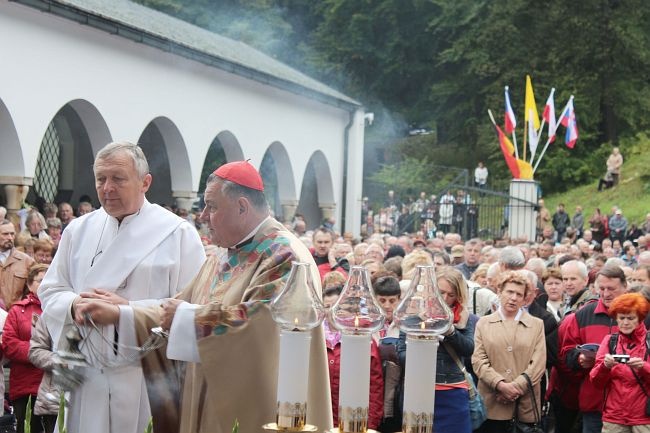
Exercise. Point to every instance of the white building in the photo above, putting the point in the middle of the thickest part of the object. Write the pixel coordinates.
(77, 74)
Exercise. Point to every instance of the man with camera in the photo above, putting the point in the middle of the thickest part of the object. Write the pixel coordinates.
(590, 324)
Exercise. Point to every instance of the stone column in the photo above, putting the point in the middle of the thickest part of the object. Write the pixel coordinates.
(16, 189)
(184, 199)
(288, 209)
(327, 210)
(522, 209)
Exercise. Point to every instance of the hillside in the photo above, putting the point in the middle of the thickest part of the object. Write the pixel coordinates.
(632, 194)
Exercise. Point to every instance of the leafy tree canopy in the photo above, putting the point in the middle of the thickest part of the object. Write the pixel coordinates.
(442, 64)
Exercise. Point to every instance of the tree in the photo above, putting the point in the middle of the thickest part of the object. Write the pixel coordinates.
(442, 64)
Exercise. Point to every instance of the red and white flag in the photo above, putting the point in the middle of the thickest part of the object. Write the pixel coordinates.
(549, 116)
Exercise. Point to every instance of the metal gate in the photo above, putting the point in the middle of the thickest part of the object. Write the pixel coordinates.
(478, 212)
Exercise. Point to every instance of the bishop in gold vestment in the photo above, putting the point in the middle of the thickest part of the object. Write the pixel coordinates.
(221, 322)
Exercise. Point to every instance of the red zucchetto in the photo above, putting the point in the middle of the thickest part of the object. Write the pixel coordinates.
(242, 173)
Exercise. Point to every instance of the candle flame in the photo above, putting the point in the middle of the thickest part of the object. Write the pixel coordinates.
(356, 321)
(295, 325)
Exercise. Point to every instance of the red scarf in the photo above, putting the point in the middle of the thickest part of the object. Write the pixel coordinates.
(456, 308)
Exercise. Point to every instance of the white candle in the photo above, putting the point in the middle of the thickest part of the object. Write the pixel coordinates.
(420, 375)
(293, 374)
(354, 384)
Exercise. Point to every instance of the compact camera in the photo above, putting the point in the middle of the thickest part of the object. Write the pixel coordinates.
(623, 359)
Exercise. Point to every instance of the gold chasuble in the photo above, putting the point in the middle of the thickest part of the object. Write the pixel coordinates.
(238, 343)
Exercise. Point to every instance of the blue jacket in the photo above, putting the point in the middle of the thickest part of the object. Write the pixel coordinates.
(462, 341)
(618, 224)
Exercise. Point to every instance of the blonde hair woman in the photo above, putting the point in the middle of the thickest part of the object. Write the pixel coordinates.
(411, 260)
(452, 390)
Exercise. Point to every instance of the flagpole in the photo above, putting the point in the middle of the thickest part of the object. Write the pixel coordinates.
(557, 125)
(541, 154)
(525, 135)
(492, 119)
(539, 132)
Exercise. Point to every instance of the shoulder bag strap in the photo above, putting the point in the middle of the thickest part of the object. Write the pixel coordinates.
(474, 298)
(538, 418)
(462, 368)
(638, 380)
(613, 342)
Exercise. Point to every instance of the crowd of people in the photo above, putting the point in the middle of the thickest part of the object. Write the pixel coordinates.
(453, 211)
(557, 323)
(522, 312)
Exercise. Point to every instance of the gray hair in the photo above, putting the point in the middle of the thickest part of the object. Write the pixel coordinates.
(644, 258)
(512, 258)
(38, 216)
(613, 272)
(234, 191)
(530, 276)
(130, 149)
(615, 261)
(54, 223)
(536, 265)
(50, 208)
(581, 267)
(493, 271)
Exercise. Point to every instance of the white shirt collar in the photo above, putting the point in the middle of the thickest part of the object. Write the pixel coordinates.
(4, 255)
(517, 317)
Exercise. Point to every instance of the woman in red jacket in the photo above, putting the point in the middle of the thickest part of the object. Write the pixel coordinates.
(333, 343)
(24, 378)
(622, 367)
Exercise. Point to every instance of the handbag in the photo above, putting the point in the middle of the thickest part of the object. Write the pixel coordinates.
(520, 426)
(8, 423)
(477, 411)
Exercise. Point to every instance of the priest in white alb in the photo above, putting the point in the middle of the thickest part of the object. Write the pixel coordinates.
(221, 322)
(127, 253)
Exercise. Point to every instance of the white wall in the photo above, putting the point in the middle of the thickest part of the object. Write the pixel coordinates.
(49, 61)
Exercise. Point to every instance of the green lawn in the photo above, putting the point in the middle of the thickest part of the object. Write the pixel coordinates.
(632, 194)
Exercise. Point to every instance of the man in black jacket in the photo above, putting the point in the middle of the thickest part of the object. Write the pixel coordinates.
(561, 221)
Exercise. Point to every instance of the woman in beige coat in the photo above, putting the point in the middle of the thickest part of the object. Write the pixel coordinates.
(42, 356)
(508, 343)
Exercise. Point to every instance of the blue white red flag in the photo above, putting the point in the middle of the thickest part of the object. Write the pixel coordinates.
(569, 121)
(510, 121)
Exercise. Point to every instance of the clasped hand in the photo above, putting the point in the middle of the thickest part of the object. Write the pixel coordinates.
(168, 311)
(508, 392)
(586, 362)
(99, 305)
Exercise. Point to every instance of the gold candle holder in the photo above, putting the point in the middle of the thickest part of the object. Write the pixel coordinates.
(274, 427)
(417, 422)
(291, 416)
(353, 419)
(338, 430)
